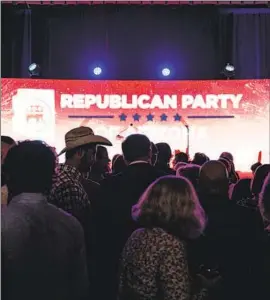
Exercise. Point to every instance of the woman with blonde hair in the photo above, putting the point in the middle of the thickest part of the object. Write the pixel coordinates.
(154, 260)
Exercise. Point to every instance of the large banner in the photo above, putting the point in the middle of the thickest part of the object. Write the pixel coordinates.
(221, 115)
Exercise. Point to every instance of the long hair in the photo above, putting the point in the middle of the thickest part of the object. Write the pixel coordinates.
(171, 203)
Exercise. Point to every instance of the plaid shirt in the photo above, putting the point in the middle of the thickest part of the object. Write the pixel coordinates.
(68, 193)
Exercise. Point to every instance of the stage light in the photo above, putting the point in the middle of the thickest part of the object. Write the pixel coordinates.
(97, 71)
(166, 72)
(34, 70)
(229, 68)
(229, 71)
(32, 67)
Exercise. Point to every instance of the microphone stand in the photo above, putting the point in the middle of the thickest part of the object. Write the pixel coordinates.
(187, 150)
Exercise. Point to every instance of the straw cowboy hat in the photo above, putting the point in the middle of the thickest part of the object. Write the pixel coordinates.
(82, 136)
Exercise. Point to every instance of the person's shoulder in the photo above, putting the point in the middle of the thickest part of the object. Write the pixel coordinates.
(143, 168)
(112, 179)
(245, 218)
(67, 192)
(90, 183)
(91, 188)
(62, 178)
(66, 183)
(149, 232)
(159, 173)
(8, 217)
(158, 236)
(64, 218)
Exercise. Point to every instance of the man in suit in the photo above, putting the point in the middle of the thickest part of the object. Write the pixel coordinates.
(113, 215)
(43, 250)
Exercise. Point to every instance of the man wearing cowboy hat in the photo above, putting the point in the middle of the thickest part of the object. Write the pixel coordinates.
(71, 192)
(68, 192)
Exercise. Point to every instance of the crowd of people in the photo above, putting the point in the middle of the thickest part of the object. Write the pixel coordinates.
(146, 225)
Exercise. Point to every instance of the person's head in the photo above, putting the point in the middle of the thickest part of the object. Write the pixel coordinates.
(226, 163)
(180, 165)
(82, 157)
(255, 166)
(199, 159)
(258, 179)
(136, 147)
(30, 167)
(119, 165)
(233, 175)
(81, 144)
(154, 154)
(102, 159)
(114, 158)
(233, 172)
(226, 155)
(191, 172)
(6, 143)
(164, 153)
(213, 179)
(241, 190)
(180, 157)
(171, 203)
(264, 199)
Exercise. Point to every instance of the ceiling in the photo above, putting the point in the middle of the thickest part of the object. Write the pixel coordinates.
(138, 2)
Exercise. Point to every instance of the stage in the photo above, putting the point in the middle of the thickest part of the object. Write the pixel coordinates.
(229, 115)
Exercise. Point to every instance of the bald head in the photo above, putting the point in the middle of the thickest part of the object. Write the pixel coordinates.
(213, 178)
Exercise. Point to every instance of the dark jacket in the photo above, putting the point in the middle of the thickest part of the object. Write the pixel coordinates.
(231, 243)
(91, 188)
(165, 169)
(114, 222)
(43, 252)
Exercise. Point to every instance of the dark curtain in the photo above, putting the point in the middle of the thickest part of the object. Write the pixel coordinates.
(26, 42)
(136, 42)
(132, 42)
(251, 43)
(12, 27)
